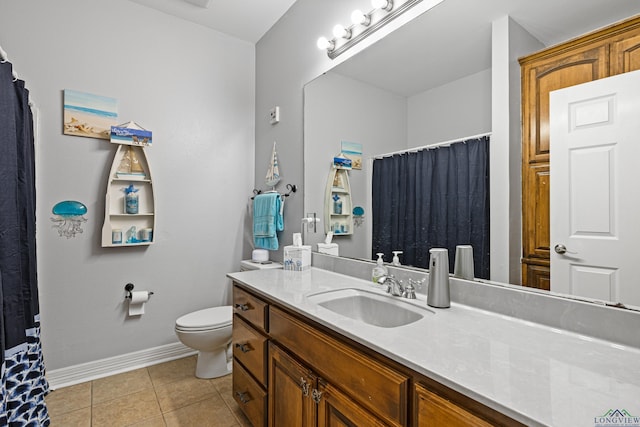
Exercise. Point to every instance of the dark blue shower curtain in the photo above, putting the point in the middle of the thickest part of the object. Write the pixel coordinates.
(23, 385)
(433, 198)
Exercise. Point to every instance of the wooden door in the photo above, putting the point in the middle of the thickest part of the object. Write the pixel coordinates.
(433, 410)
(336, 409)
(595, 135)
(540, 76)
(290, 391)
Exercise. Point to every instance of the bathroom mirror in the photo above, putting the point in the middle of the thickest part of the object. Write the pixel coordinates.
(377, 97)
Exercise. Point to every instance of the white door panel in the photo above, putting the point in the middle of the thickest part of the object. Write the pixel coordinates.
(595, 189)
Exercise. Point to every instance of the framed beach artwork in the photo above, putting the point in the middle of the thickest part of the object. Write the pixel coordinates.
(89, 115)
(353, 151)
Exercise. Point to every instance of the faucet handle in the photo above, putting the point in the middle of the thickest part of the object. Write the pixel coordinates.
(416, 283)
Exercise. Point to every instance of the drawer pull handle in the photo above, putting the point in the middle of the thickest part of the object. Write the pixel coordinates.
(243, 396)
(304, 385)
(316, 395)
(243, 347)
(242, 307)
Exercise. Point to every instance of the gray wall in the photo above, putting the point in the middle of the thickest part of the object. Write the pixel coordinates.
(194, 88)
(338, 108)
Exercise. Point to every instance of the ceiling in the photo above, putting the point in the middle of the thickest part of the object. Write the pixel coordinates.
(453, 40)
(247, 20)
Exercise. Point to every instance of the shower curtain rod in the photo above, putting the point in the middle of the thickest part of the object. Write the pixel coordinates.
(4, 58)
(426, 147)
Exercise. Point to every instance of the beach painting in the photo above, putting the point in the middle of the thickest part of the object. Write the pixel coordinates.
(89, 115)
(353, 151)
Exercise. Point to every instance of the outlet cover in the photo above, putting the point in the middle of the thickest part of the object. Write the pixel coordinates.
(274, 115)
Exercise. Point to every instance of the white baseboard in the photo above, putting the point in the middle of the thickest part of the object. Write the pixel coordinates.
(83, 372)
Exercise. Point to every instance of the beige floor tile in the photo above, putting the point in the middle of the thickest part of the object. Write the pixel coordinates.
(126, 410)
(223, 384)
(77, 418)
(69, 399)
(120, 385)
(237, 412)
(177, 394)
(208, 413)
(173, 371)
(153, 422)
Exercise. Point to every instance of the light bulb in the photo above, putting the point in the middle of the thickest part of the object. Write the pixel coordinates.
(323, 43)
(341, 32)
(382, 4)
(360, 18)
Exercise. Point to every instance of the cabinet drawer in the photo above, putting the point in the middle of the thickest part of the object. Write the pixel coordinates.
(250, 349)
(377, 387)
(251, 308)
(251, 398)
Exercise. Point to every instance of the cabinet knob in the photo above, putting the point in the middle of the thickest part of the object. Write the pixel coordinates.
(243, 347)
(316, 395)
(242, 307)
(243, 396)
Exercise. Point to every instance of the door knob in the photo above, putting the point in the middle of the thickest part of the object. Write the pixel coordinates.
(560, 249)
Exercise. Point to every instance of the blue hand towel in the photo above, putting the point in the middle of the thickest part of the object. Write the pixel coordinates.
(267, 220)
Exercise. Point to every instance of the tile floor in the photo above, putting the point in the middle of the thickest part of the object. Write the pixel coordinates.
(163, 395)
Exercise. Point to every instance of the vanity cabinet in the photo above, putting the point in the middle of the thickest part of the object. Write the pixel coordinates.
(612, 50)
(338, 209)
(290, 371)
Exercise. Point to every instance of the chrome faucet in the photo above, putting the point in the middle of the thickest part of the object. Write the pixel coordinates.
(410, 290)
(394, 286)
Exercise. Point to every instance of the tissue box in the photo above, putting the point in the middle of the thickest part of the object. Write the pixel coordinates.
(297, 258)
(328, 248)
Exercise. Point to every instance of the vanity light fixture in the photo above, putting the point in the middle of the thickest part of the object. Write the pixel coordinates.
(358, 17)
(324, 43)
(384, 11)
(340, 31)
(382, 4)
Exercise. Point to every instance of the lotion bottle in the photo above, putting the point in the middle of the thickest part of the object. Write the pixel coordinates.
(379, 270)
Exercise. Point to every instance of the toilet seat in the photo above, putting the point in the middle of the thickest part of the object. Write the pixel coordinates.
(206, 320)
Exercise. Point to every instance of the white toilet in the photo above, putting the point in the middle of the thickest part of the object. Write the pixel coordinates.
(209, 332)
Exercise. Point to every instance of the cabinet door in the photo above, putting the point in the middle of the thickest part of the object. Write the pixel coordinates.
(336, 409)
(541, 74)
(625, 53)
(290, 391)
(433, 410)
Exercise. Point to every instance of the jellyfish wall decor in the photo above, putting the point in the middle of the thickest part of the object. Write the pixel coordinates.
(68, 218)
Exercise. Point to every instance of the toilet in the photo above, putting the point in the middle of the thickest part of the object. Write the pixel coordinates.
(208, 331)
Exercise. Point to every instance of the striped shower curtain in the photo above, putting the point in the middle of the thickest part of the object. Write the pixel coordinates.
(23, 385)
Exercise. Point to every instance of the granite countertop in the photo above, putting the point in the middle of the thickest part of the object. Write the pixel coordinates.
(535, 374)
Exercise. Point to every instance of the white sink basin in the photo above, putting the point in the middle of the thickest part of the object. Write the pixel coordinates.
(371, 308)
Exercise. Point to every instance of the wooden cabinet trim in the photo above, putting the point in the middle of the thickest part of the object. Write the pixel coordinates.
(603, 34)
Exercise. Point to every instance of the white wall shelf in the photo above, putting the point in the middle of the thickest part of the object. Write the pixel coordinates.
(115, 216)
(338, 217)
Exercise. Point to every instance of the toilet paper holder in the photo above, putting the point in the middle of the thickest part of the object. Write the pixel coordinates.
(129, 288)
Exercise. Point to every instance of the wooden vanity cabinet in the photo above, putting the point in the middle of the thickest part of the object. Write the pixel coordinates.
(311, 376)
(603, 53)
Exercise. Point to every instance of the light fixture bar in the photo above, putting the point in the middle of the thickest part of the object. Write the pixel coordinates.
(334, 53)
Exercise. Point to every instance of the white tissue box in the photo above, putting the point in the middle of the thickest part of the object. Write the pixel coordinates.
(328, 248)
(297, 258)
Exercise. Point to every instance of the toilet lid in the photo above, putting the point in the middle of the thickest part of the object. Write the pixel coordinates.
(209, 318)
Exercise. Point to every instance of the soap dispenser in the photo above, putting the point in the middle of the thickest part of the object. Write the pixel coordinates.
(379, 270)
(396, 260)
(438, 292)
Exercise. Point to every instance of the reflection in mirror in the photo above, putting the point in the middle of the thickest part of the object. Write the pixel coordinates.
(431, 81)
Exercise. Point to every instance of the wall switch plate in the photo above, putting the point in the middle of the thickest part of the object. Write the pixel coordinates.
(274, 115)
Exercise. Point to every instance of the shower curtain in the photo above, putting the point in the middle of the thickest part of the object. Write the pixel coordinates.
(433, 198)
(23, 385)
